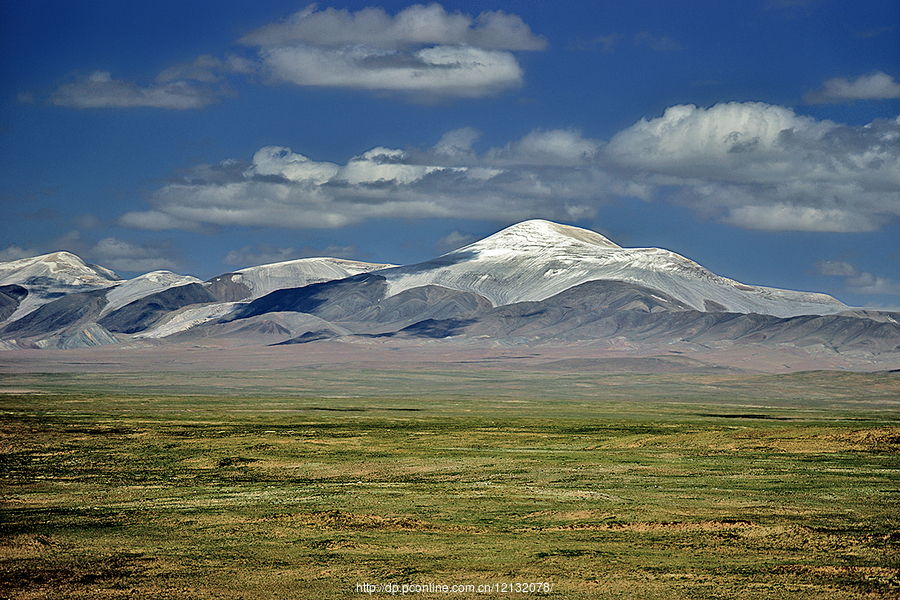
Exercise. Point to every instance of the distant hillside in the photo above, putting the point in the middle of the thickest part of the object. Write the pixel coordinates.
(535, 284)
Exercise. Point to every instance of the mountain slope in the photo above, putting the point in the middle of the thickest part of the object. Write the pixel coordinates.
(65, 312)
(146, 311)
(10, 298)
(144, 285)
(535, 260)
(49, 276)
(255, 282)
(536, 284)
(359, 304)
(603, 311)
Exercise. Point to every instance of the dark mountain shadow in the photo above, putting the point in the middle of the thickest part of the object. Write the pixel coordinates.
(309, 336)
(68, 311)
(10, 298)
(434, 263)
(149, 310)
(432, 328)
(341, 297)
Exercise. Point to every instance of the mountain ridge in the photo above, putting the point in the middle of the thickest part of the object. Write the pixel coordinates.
(537, 284)
(537, 259)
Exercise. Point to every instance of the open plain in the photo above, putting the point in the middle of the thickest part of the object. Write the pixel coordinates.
(314, 472)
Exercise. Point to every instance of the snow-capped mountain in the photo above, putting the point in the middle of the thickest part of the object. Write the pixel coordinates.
(142, 286)
(60, 268)
(537, 259)
(56, 298)
(50, 276)
(264, 279)
(533, 283)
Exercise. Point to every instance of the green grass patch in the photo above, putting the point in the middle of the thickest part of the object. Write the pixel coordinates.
(638, 487)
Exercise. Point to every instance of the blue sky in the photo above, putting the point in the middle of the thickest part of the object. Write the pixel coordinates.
(758, 138)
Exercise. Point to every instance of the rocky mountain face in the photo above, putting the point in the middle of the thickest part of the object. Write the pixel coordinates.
(532, 284)
(537, 259)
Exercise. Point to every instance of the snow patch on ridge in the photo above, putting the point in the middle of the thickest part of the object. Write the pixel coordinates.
(144, 285)
(264, 279)
(189, 318)
(64, 268)
(537, 259)
(49, 276)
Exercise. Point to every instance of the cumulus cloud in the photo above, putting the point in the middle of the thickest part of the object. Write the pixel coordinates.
(836, 268)
(537, 175)
(781, 217)
(422, 50)
(458, 143)
(120, 255)
(100, 90)
(860, 282)
(14, 252)
(417, 25)
(455, 240)
(764, 167)
(751, 165)
(877, 86)
(555, 147)
(262, 254)
(435, 71)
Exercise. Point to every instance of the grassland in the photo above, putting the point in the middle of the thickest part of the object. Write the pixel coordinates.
(312, 483)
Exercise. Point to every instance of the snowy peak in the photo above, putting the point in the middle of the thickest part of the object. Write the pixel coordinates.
(50, 276)
(534, 260)
(296, 273)
(60, 268)
(536, 236)
(144, 285)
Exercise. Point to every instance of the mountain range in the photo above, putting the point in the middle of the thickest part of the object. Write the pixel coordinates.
(535, 284)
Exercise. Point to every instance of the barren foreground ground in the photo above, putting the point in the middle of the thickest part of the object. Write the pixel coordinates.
(457, 480)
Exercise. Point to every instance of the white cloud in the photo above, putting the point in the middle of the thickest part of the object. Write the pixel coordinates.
(859, 282)
(417, 25)
(120, 255)
(14, 252)
(382, 166)
(284, 189)
(430, 72)
(724, 136)
(153, 220)
(761, 166)
(877, 86)
(423, 50)
(100, 90)
(835, 268)
(455, 240)
(780, 217)
(262, 254)
(750, 165)
(555, 147)
(276, 160)
(458, 143)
